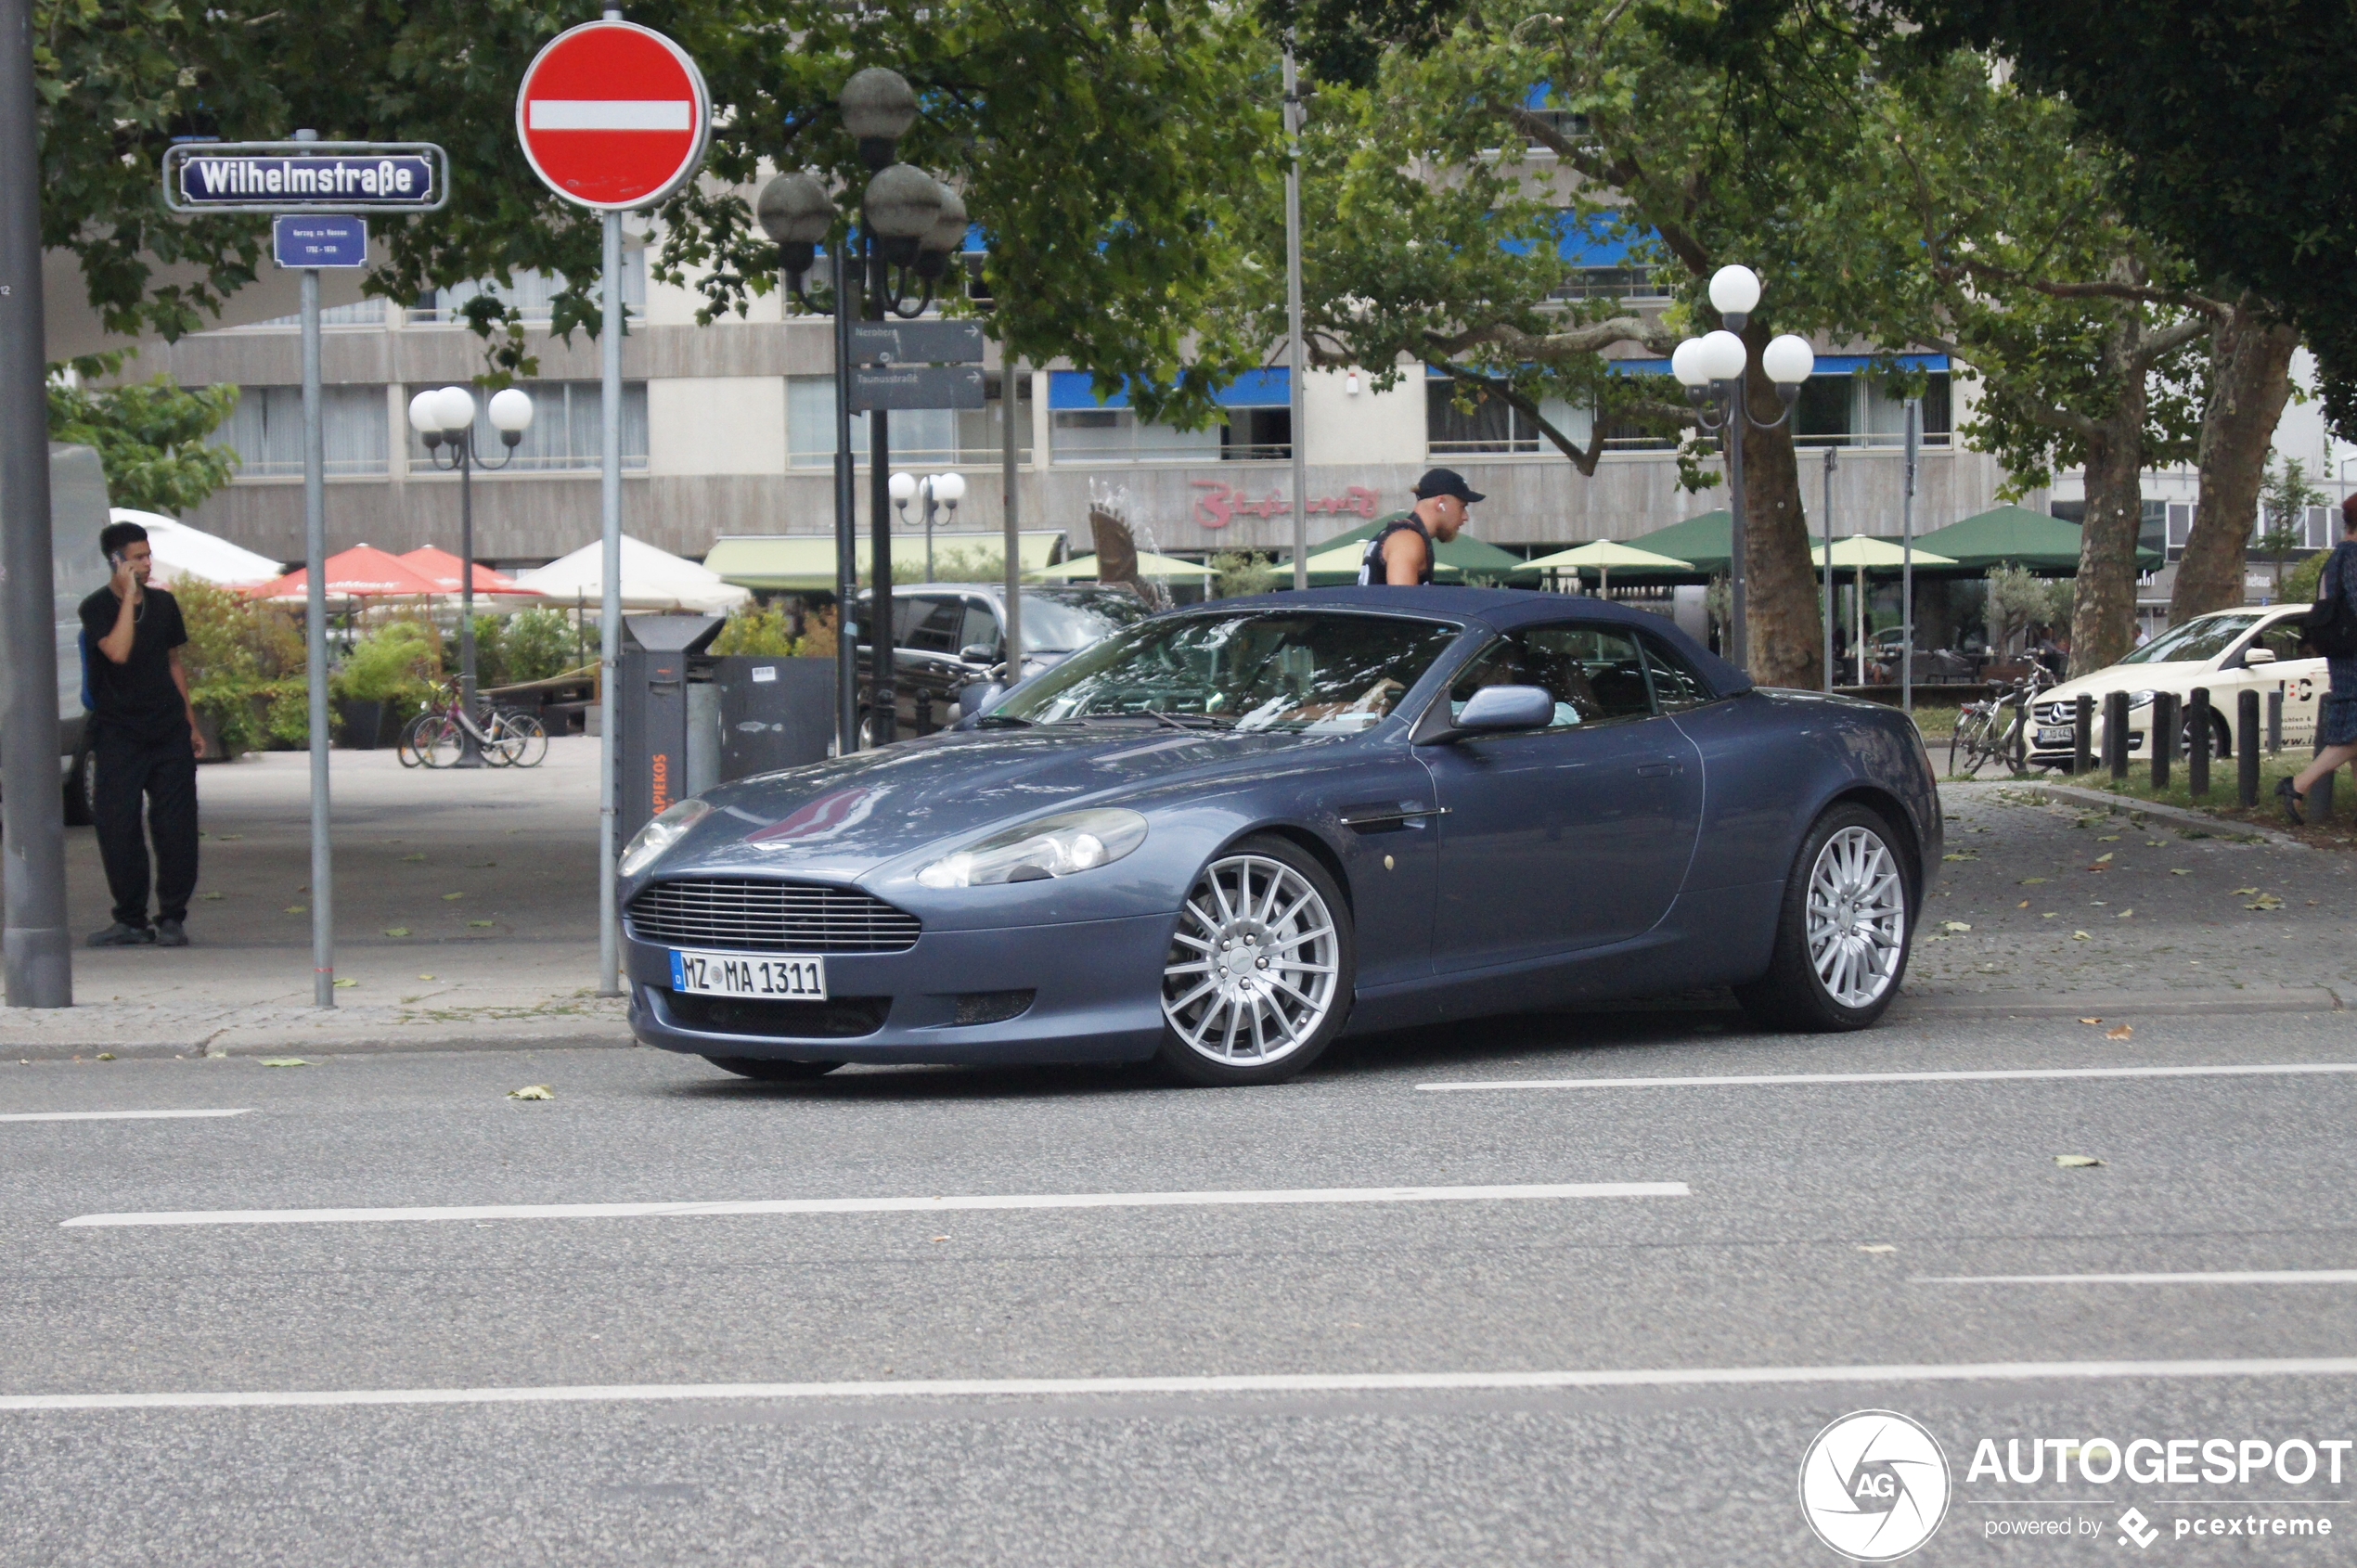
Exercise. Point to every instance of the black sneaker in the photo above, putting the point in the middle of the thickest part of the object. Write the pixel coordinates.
(120, 935)
(171, 933)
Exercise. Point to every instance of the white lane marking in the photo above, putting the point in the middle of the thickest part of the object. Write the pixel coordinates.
(2224, 1277)
(899, 1205)
(1300, 1382)
(111, 1116)
(1991, 1075)
(612, 114)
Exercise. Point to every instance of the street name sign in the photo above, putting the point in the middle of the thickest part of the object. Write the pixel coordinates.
(613, 116)
(302, 240)
(916, 342)
(306, 177)
(916, 386)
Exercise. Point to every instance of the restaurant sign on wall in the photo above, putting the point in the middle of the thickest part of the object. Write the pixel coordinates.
(1222, 504)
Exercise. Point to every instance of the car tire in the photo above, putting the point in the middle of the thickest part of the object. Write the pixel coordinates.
(81, 790)
(1850, 849)
(762, 1070)
(2222, 737)
(1261, 908)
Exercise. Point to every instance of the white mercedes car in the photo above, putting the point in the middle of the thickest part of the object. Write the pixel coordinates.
(2230, 651)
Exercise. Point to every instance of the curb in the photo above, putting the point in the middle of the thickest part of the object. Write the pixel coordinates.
(2071, 794)
(80, 1038)
(2121, 1004)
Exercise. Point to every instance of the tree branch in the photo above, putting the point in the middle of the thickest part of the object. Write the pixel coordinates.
(1587, 339)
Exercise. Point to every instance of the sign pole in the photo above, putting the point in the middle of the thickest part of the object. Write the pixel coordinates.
(1009, 376)
(315, 594)
(1300, 370)
(39, 955)
(846, 520)
(610, 609)
(1907, 565)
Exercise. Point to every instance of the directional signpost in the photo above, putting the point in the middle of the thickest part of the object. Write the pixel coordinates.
(916, 364)
(313, 188)
(612, 116)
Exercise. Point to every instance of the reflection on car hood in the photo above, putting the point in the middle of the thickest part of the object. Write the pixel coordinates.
(846, 816)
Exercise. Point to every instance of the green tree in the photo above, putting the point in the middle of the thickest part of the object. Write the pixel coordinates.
(1104, 143)
(150, 435)
(2285, 499)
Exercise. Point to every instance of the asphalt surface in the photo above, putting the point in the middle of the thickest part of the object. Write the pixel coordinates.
(1763, 1265)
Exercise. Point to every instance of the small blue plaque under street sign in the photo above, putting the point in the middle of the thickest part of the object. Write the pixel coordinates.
(304, 240)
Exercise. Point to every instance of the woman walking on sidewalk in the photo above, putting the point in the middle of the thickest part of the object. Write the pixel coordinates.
(2337, 717)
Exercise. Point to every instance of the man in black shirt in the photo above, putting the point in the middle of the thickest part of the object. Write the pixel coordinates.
(1400, 552)
(144, 743)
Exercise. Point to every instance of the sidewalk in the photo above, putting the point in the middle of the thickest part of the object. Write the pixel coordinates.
(492, 875)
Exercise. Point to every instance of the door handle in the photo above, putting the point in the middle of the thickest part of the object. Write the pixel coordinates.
(1659, 770)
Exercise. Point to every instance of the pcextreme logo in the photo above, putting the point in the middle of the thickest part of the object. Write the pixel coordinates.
(1873, 1486)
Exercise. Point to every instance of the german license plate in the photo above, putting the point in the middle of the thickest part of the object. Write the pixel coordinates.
(2056, 737)
(784, 978)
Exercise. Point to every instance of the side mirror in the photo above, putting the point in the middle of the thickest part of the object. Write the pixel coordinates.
(979, 653)
(977, 697)
(2261, 655)
(1495, 709)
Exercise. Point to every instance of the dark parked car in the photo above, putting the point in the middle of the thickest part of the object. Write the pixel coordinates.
(947, 637)
(1224, 835)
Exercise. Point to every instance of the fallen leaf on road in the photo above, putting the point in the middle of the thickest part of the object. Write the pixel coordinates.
(1881, 1248)
(396, 930)
(484, 925)
(2178, 872)
(419, 857)
(2076, 1162)
(1965, 855)
(941, 1238)
(1953, 925)
(533, 1091)
(2246, 891)
(2079, 936)
(2265, 900)
(298, 908)
(346, 984)
(2105, 858)
(284, 1061)
(106, 1056)
(2032, 882)
(2091, 1021)
(2123, 1032)
(2123, 914)
(2023, 905)
(209, 898)
(425, 977)
(2108, 839)
(447, 897)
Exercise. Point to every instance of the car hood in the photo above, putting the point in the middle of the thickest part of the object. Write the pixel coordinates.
(847, 816)
(2098, 684)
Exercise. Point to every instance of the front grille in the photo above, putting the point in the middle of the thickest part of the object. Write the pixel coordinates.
(763, 917)
(2055, 713)
(842, 1018)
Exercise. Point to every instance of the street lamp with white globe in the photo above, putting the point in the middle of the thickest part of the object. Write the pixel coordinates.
(446, 418)
(938, 491)
(1712, 369)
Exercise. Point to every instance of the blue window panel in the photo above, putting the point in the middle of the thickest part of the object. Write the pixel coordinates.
(1254, 389)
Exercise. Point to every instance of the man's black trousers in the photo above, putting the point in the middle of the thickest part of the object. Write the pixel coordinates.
(163, 774)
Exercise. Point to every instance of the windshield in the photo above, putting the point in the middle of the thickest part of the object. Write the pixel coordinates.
(1322, 673)
(1062, 622)
(2205, 639)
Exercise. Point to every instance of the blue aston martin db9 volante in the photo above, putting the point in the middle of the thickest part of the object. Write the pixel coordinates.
(1224, 835)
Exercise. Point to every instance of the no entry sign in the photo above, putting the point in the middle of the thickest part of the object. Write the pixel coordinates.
(613, 115)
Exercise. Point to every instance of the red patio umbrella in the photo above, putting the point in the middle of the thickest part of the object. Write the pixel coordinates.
(443, 567)
(361, 573)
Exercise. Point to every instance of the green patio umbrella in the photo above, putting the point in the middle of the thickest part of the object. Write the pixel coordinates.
(1707, 540)
(2016, 536)
(1466, 554)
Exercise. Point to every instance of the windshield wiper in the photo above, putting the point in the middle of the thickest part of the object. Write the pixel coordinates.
(1189, 721)
(1001, 721)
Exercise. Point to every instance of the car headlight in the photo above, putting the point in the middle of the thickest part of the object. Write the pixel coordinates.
(1055, 846)
(2142, 699)
(648, 843)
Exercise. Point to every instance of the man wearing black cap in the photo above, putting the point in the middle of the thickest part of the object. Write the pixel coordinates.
(1401, 551)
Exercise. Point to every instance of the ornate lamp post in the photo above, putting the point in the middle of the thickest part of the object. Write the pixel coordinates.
(936, 490)
(1712, 368)
(909, 224)
(446, 418)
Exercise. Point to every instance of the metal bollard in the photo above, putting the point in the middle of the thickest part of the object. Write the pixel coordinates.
(2320, 795)
(2275, 721)
(2082, 735)
(2116, 735)
(2164, 740)
(924, 713)
(2246, 747)
(2197, 739)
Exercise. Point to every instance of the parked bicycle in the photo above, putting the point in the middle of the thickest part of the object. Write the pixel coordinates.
(1997, 727)
(438, 736)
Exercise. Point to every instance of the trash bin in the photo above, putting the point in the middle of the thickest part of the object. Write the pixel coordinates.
(773, 712)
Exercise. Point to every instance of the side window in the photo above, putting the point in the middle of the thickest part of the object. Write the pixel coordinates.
(937, 633)
(981, 626)
(2283, 637)
(1595, 675)
(1676, 687)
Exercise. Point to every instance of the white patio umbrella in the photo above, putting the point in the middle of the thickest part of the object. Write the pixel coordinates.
(651, 580)
(182, 552)
(1605, 554)
(1862, 553)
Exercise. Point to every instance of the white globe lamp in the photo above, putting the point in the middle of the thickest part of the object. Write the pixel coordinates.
(1685, 362)
(454, 408)
(1734, 294)
(1723, 356)
(1788, 360)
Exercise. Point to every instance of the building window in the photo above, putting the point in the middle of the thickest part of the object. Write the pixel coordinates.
(567, 433)
(1848, 407)
(1492, 424)
(920, 437)
(530, 292)
(1259, 425)
(265, 430)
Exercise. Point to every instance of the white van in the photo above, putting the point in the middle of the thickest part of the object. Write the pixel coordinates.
(78, 510)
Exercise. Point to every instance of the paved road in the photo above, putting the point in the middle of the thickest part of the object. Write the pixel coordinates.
(1764, 1263)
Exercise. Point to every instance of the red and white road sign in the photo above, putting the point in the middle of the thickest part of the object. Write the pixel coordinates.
(613, 115)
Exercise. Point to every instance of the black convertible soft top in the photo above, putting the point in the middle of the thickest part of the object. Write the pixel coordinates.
(1504, 609)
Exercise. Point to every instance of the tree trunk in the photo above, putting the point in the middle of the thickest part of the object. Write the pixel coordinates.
(2103, 616)
(2249, 382)
(1780, 579)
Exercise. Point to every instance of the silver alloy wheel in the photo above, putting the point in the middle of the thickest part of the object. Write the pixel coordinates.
(1251, 973)
(1857, 917)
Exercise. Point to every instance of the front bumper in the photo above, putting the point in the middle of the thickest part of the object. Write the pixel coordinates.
(1096, 985)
